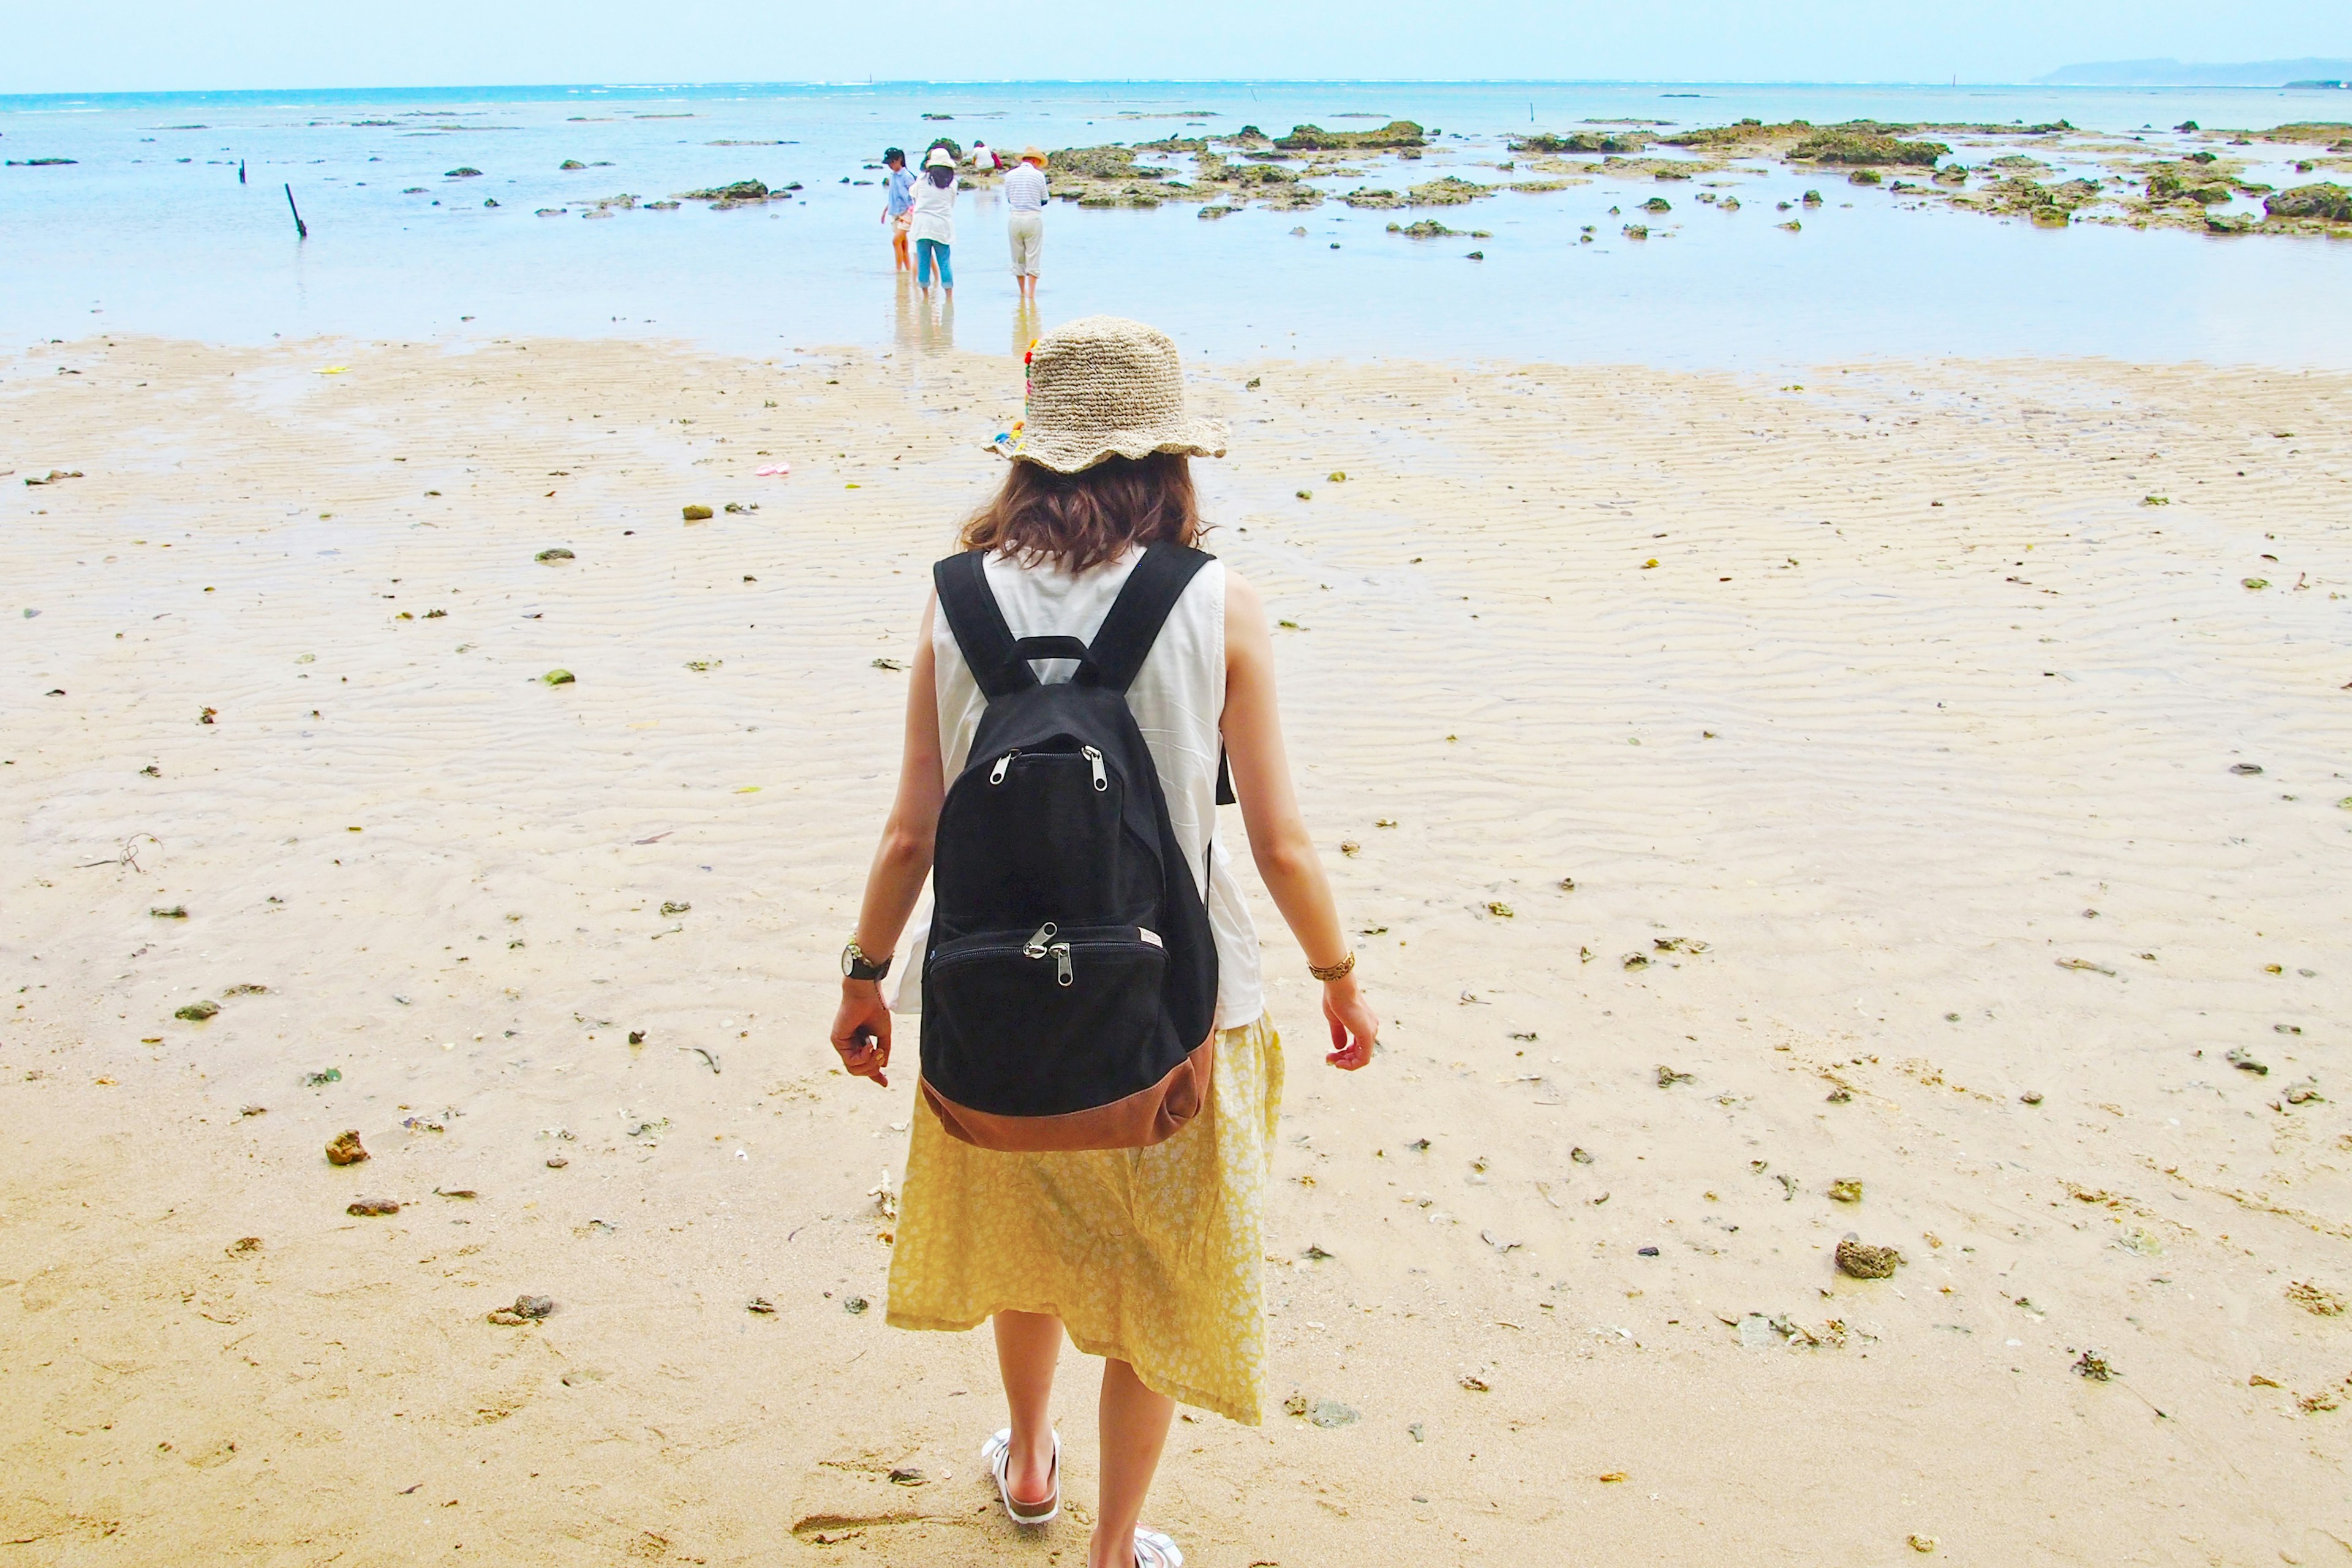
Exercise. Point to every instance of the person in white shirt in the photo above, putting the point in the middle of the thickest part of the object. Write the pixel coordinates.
(984, 159)
(933, 225)
(1025, 193)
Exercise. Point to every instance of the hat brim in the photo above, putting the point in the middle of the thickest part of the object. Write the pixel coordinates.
(1076, 454)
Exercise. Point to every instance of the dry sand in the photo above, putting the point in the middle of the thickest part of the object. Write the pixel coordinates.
(1922, 724)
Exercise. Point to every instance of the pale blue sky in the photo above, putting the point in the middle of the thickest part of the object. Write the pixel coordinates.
(148, 44)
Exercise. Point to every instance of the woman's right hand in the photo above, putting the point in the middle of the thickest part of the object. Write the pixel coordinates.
(861, 1031)
(1355, 1027)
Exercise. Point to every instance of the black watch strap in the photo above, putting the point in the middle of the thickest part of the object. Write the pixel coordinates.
(855, 967)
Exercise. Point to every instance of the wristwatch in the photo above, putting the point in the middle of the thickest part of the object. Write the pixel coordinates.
(855, 965)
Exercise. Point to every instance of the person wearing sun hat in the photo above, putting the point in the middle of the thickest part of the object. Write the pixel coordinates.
(932, 225)
(1024, 195)
(1149, 1257)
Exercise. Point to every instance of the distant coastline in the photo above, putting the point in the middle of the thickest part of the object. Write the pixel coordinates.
(2311, 72)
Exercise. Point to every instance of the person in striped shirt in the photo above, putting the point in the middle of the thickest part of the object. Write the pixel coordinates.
(1025, 193)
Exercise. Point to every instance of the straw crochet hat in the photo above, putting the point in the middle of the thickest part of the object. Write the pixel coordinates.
(1106, 387)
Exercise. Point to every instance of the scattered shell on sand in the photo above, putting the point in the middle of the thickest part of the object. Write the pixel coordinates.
(345, 1149)
(1847, 1190)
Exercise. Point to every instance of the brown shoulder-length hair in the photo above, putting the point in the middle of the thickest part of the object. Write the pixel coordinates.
(1079, 520)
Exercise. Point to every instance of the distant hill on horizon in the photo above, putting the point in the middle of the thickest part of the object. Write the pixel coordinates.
(2174, 73)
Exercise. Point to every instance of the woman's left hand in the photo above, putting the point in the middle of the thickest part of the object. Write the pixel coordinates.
(1355, 1027)
(861, 1031)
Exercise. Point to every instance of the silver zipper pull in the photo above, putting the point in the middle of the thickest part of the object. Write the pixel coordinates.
(1035, 946)
(996, 773)
(1102, 780)
(1060, 951)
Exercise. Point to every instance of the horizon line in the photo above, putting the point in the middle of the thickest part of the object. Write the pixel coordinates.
(938, 84)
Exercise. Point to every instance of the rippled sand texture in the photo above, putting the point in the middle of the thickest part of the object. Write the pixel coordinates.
(1902, 789)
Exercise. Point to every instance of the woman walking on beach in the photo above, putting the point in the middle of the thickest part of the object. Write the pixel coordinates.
(1095, 1139)
(933, 221)
(898, 205)
(1025, 193)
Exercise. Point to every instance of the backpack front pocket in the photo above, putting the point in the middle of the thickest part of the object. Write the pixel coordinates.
(1045, 1021)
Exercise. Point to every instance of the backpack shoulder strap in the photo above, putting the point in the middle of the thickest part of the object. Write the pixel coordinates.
(1142, 608)
(979, 624)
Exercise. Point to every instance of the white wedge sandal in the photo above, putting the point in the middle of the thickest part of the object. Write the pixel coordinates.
(1153, 1549)
(997, 1455)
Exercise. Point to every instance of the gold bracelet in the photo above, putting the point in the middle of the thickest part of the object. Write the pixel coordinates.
(1339, 971)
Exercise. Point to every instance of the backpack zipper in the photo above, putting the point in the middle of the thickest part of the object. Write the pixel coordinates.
(1035, 946)
(1060, 951)
(1102, 780)
(996, 773)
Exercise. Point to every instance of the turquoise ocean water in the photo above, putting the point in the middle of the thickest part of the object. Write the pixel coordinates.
(148, 230)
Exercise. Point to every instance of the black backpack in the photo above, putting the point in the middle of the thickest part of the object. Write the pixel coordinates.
(1070, 979)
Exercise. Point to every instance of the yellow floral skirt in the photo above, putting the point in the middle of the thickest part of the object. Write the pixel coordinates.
(1152, 1256)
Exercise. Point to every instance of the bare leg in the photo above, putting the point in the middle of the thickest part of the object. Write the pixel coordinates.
(1028, 1345)
(1134, 1430)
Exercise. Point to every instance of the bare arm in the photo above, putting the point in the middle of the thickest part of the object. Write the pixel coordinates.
(1279, 843)
(861, 1026)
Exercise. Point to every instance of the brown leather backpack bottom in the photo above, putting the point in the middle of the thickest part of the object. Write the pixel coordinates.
(1144, 1118)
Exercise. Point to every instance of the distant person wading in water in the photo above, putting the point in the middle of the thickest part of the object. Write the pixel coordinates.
(1099, 1082)
(899, 206)
(1024, 195)
(933, 225)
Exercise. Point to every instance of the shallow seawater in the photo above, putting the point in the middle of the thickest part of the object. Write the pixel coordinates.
(149, 231)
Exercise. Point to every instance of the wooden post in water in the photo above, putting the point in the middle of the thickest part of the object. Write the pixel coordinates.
(240, 170)
(301, 229)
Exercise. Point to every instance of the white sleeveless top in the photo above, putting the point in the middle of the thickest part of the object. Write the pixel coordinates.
(1178, 699)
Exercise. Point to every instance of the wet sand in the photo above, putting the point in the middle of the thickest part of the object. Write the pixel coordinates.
(1887, 725)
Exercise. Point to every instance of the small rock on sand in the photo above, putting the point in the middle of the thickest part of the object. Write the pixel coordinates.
(371, 1208)
(1847, 1190)
(345, 1149)
(1860, 1260)
(698, 514)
